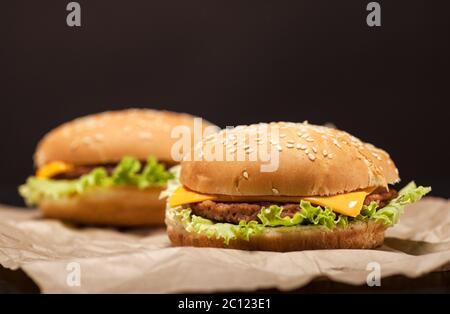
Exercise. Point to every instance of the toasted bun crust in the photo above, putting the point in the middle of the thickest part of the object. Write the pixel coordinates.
(358, 235)
(313, 160)
(107, 137)
(112, 206)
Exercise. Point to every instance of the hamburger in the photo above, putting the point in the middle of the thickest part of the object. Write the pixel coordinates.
(330, 191)
(107, 168)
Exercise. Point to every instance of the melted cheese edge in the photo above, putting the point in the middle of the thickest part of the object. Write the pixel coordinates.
(53, 168)
(348, 204)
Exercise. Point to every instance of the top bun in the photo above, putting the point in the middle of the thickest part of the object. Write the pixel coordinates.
(109, 136)
(313, 160)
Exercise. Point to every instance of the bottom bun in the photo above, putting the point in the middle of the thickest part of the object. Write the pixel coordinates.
(357, 235)
(113, 206)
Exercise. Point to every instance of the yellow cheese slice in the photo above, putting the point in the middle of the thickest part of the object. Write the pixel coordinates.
(348, 204)
(183, 196)
(52, 169)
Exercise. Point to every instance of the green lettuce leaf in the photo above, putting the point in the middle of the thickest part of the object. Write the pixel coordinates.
(126, 173)
(172, 184)
(225, 231)
(390, 214)
(309, 215)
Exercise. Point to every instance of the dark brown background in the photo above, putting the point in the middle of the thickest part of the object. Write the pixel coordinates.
(231, 62)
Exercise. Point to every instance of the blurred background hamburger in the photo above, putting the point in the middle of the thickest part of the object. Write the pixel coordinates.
(107, 168)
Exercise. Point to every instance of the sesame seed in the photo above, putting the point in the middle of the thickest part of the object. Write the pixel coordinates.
(90, 123)
(282, 135)
(289, 145)
(330, 155)
(279, 148)
(245, 174)
(300, 134)
(298, 146)
(74, 145)
(87, 140)
(309, 139)
(144, 135)
(314, 149)
(305, 135)
(311, 156)
(307, 151)
(325, 152)
(303, 147)
(99, 137)
(66, 132)
(141, 123)
(291, 142)
(335, 142)
(275, 191)
(273, 142)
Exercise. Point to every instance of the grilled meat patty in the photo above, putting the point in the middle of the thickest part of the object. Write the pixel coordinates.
(381, 196)
(78, 171)
(235, 212)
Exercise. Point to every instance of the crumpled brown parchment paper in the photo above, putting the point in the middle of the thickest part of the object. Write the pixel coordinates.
(62, 258)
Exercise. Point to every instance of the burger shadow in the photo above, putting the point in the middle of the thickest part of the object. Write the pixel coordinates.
(414, 247)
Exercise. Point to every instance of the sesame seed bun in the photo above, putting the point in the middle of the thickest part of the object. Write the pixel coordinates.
(108, 136)
(105, 138)
(313, 160)
(112, 206)
(357, 235)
